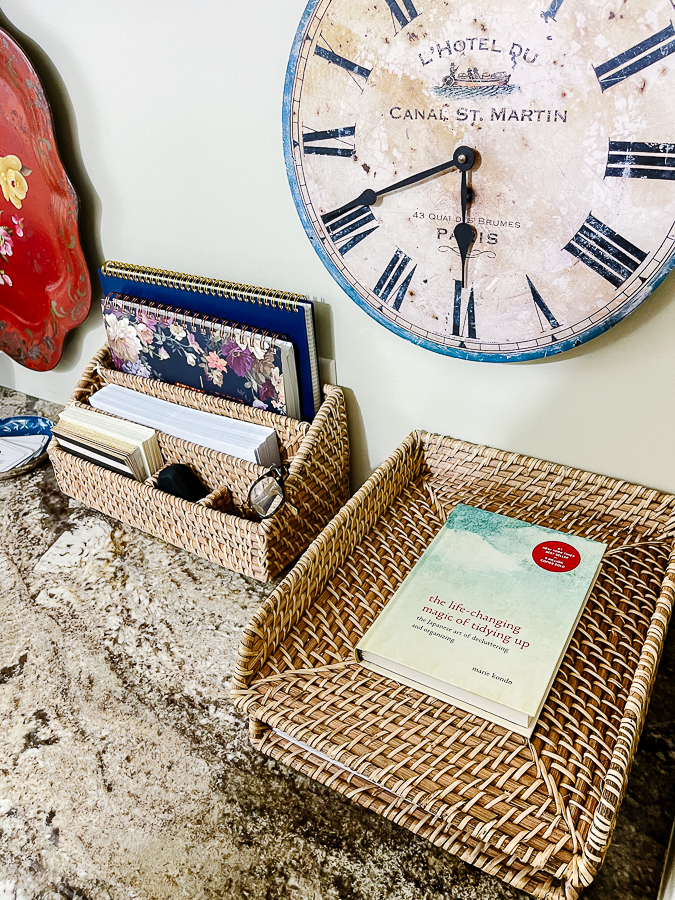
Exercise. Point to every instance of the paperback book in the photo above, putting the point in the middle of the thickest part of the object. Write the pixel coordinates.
(484, 618)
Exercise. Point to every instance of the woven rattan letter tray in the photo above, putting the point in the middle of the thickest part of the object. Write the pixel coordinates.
(539, 813)
(317, 456)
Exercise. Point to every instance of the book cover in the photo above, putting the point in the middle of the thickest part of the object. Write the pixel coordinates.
(211, 355)
(485, 616)
(277, 311)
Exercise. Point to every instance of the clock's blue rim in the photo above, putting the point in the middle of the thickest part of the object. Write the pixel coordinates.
(475, 356)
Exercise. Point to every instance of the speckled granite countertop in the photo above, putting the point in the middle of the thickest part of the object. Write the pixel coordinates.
(125, 773)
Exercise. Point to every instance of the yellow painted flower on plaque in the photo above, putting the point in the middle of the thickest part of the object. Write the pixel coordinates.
(14, 185)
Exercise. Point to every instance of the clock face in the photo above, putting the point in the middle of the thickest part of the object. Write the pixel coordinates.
(571, 198)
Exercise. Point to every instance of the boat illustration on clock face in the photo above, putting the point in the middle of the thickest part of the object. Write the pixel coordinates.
(474, 84)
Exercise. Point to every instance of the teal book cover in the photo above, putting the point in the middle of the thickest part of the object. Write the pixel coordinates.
(485, 616)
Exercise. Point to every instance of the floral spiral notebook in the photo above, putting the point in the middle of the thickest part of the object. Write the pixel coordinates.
(255, 367)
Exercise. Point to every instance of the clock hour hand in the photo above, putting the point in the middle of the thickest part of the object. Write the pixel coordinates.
(462, 159)
(465, 234)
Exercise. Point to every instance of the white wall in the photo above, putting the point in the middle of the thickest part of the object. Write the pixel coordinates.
(177, 107)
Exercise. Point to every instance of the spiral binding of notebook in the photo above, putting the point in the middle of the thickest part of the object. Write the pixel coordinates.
(269, 310)
(222, 328)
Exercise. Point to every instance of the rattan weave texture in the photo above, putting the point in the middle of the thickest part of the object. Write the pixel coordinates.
(539, 814)
(317, 486)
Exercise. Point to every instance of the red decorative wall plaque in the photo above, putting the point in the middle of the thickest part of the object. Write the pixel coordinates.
(44, 283)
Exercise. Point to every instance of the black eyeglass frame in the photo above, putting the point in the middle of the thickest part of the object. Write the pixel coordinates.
(279, 474)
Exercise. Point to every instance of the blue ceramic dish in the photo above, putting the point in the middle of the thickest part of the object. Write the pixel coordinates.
(17, 425)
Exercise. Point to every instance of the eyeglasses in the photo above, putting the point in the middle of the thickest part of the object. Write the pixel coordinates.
(267, 494)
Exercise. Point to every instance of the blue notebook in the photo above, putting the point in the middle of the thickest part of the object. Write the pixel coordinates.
(277, 311)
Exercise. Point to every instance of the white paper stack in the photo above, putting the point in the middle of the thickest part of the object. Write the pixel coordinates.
(19, 450)
(246, 440)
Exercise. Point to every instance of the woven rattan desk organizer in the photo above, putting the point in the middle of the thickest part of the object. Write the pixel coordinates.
(539, 814)
(317, 486)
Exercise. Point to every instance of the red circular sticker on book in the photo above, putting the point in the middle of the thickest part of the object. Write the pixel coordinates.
(556, 556)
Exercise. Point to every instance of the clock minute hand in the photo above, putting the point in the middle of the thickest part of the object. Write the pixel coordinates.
(369, 197)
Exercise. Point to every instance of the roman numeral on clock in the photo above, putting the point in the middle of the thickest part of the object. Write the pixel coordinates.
(347, 230)
(644, 54)
(394, 277)
(346, 64)
(542, 308)
(329, 143)
(403, 18)
(606, 252)
(637, 159)
(463, 325)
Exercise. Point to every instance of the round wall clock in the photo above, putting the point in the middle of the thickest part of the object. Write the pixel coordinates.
(492, 179)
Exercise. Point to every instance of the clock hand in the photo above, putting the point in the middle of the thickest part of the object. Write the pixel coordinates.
(463, 158)
(465, 234)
